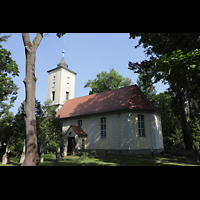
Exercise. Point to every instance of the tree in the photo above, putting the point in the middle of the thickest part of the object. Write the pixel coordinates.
(31, 156)
(40, 128)
(179, 49)
(149, 90)
(171, 126)
(182, 71)
(107, 81)
(8, 69)
(49, 128)
(53, 128)
(6, 127)
(18, 133)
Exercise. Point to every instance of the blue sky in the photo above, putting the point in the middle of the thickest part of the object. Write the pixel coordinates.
(87, 54)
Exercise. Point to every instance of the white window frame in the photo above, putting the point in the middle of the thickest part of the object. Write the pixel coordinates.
(80, 120)
(103, 127)
(141, 125)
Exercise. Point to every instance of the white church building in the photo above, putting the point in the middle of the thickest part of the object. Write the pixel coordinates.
(116, 121)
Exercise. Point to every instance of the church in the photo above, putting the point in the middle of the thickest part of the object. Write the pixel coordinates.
(116, 121)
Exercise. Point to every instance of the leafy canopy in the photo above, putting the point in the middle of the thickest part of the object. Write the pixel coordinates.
(107, 81)
(8, 70)
(181, 70)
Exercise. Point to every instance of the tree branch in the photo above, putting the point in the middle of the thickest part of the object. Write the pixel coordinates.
(27, 42)
(37, 39)
(26, 39)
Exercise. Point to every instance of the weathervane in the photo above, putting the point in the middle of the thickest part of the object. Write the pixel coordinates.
(63, 48)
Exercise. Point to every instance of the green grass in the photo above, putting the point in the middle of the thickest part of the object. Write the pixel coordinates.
(50, 160)
(120, 160)
(180, 159)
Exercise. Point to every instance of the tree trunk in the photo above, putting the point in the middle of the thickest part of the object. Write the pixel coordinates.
(31, 155)
(186, 131)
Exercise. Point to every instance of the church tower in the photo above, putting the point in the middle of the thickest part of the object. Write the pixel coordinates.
(61, 83)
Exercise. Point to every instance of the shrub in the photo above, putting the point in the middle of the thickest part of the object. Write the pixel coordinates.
(93, 154)
(84, 155)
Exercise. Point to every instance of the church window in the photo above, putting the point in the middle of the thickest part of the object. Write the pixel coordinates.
(53, 85)
(141, 128)
(53, 95)
(83, 144)
(67, 95)
(103, 126)
(80, 122)
(54, 77)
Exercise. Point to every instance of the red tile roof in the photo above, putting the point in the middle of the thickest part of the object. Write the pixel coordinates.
(79, 131)
(125, 98)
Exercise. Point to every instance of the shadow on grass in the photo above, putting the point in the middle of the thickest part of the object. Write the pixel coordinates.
(114, 160)
(110, 160)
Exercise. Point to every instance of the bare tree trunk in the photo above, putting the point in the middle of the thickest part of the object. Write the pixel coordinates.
(186, 130)
(29, 103)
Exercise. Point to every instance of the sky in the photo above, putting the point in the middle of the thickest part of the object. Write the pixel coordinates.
(87, 54)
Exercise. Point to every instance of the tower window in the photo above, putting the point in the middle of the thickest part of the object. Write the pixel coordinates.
(54, 77)
(67, 95)
(80, 122)
(53, 85)
(53, 95)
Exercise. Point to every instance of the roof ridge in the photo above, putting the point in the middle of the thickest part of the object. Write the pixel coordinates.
(103, 92)
(130, 97)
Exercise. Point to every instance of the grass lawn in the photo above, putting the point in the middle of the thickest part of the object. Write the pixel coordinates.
(116, 160)
(120, 160)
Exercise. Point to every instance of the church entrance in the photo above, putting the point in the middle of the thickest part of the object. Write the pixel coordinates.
(71, 144)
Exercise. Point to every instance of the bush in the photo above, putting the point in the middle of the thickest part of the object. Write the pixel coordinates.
(84, 155)
(179, 145)
(93, 154)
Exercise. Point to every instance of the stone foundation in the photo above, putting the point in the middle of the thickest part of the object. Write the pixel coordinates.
(124, 151)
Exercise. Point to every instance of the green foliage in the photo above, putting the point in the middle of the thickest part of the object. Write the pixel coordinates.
(148, 89)
(18, 133)
(180, 70)
(162, 43)
(8, 70)
(49, 128)
(174, 59)
(195, 129)
(84, 155)
(171, 126)
(93, 154)
(6, 127)
(107, 81)
(12, 129)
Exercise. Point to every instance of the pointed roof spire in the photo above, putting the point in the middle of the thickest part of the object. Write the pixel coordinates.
(62, 62)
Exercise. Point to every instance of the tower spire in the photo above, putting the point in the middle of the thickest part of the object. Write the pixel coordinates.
(62, 62)
(63, 49)
(63, 52)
